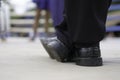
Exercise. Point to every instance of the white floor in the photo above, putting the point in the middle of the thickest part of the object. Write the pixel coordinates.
(21, 59)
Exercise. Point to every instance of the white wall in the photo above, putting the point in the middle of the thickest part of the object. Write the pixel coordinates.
(21, 6)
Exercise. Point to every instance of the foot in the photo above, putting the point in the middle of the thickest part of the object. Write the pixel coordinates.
(32, 38)
(90, 56)
(57, 50)
(3, 39)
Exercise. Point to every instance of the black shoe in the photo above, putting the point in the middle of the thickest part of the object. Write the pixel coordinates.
(89, 56)
(60, 52)
(45, 41)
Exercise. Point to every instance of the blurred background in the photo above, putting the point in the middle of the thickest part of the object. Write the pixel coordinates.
(29, 18)
(22, 56)
(18, 18)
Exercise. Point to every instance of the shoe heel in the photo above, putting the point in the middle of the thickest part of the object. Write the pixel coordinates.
(89, 61)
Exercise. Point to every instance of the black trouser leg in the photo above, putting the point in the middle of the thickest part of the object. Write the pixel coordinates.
(85, 20)
(62, 33)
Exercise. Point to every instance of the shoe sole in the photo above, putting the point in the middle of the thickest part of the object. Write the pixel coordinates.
(89, 61)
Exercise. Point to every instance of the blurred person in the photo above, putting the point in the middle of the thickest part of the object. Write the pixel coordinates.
(79, 34)
(41, 5)
(56, 10)
(4, 19)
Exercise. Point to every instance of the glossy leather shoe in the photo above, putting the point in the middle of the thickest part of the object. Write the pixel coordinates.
(60, 52)
(45, 41)
(90, 56)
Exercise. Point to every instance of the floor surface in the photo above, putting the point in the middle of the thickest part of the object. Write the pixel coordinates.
(21, 59)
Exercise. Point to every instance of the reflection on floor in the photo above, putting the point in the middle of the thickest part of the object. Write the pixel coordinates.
(21, 59)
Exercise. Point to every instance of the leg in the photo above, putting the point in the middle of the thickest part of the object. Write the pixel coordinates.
(47, 21)
(56, 9)
(36, 23)
(83, 28)
(86, 20)
(86, 27)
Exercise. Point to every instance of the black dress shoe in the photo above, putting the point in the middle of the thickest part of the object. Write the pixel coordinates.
(45, 41)
(60, 52)
(89, 56)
